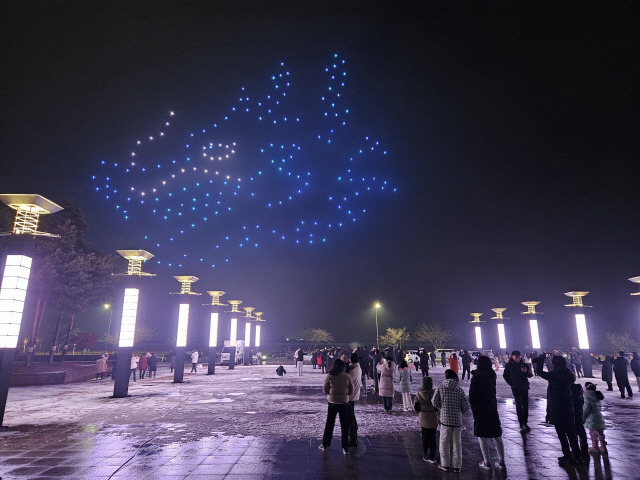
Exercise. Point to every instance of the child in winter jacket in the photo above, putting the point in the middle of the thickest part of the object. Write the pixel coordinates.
(428, 418)
(592, 417)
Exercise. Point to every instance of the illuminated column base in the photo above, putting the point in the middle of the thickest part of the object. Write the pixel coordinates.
(122, 373)
(125, 344)
(478, 337)
(178, 372)
(535, 334)
(502, 338)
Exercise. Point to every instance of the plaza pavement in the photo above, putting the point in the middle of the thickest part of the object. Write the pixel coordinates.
(248, 423)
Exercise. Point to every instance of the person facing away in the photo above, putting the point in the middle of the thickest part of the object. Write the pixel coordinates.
(101, 367)
(443, 359)
(194, 361)
(152, 361)
(428, 419)
(172, 361)
(280, 371)
(338, 387)
(576, 357)
(517, 374)
(451, 401)
(424, 362)
(560, 406)
(577, 395)
(607, 371)
(300, 361)
(453, 362)
(433, 356)
(635, 367)
(484, 406)
(355, 372)
(405, 385)
(385, 385)
(593, 419)
(142, 365)
(133, 365)
(621, 371)
(466, 364)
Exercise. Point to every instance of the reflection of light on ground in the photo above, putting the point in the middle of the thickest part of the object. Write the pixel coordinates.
(235, 394)
(509, 401)
(250, 413)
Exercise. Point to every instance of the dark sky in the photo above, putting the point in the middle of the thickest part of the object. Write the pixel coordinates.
(512, 133)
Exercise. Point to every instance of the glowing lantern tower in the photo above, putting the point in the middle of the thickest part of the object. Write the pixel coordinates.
(258, 318)
(183, 323)
(581, 326)
(129, 317)
(478, 330)
(247, 335)
(233, 333)
(533, 323)
(213, 329)
(16, 269)
(502, 339)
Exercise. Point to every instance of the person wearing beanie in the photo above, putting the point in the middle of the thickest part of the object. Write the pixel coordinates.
(517, 374)
(621, 372)
(428, 419)
(593, 419)
(451, 401)
(560, 406)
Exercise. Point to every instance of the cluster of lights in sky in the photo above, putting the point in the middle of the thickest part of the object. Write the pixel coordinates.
(280, 167)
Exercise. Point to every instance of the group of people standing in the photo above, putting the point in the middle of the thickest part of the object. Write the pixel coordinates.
(146, 364)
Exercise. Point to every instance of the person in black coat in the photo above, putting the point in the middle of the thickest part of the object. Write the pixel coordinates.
(607, 371)
(443, 358)
(424, 362)
(577, 395)
(484, 406)
(621, 371)
(517, 374)
(466, 364)
(560, 406)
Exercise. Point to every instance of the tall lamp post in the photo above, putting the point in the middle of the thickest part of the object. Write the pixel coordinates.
(478, 331)
(635, 280)
(246, 357)
(135, 259)
(581, 326)
(256, 341)
(183, 323)
(233, 332)
(502, 338)
(15, 279)
(213, 329)
(106, 343)
(533, 323)
(377, 307)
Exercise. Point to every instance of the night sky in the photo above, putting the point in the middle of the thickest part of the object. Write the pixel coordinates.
(510, 131)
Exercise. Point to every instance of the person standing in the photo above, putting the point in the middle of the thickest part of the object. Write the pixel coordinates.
(453, 362)
(385, 385)
(428, 419)
(517, 374)
(484, 406)
(405, 385)
(101, 366)
(607, 372)
(300, 360)
(592, 416)
(194, 361)
(424, 362)
(576, 356)
(443, 359)
(577, 395)
(355, 372)
(560, 406)
(134, 365)
(466, 364)
(621, 371)
(338, 387)
(323, 360)
(152, 361)
(451, 401)
(172, 361)
(432, 356)
(635, 367)
(142, 365)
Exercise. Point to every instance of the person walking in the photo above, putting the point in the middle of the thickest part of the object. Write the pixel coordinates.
(194, 361)
(621, 371)
(592, 416)
(443, 359)
(405, 385)
(338, 387)
(427, 418)
(355, 372)
(484, 406)
(300, 361)
(134, 365)
(101, 366)
(152, 362)
(385, 385)
(607, 371)
(517, 374)
(635, 367)
(560, 406)
(142, 365)
(453, 362)
(432, 356)
(466, 364)
(451, 401)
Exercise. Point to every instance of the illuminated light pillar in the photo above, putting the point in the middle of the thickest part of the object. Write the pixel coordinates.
(213, 329)
(183, 323)
(257, 341)
(130, 303)
(478, 330)
(15, 279)
(233, 334)
(246, 357)
(635, 280)
(533, 323)
(502, 339)
(581, 327)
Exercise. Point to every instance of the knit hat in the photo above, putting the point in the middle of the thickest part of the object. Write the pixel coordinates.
(427, 383)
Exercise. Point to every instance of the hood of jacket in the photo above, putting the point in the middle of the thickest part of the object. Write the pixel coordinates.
(449, 383)
(484, 373)
(593, 395)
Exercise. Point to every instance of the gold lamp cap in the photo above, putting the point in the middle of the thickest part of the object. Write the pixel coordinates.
(142, 255)
(635, 280)
(29, 201)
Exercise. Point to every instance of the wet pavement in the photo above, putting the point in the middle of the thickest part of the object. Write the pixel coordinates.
(248, 423)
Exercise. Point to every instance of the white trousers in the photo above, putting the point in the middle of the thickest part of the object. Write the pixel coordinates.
(300, 368)
(451, 440)
(484, 448)
(406, 401)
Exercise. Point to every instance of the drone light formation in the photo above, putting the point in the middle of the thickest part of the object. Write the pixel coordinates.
(303, 174)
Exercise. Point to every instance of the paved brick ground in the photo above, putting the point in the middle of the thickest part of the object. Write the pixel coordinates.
(250, 424)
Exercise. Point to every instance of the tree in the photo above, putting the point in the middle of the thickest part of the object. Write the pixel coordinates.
(621, 341)
(85, 340)
(395, 336)
(434, 334)
(316, 336)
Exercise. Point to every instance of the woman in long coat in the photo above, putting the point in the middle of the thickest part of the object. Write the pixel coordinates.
(607, 372)
(428, 419)
(385, 386)
(484, 405)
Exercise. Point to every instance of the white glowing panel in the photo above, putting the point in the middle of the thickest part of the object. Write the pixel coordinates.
(213, 331)
(247, 334)
(183, 323)
(535, 335)
(581, 324)
(478, 337)
(233, 336)
(257, 335)
(501, 336)
(12, 294)
(129, 315)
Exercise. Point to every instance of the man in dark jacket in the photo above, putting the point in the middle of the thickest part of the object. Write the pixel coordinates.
(635, 366)
(517, 374)
(621, 371)
(560, 406)
(466, 364)
(424, 362)
(443, 358)
(432, 356)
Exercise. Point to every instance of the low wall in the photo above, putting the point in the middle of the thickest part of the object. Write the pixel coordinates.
(79, 373)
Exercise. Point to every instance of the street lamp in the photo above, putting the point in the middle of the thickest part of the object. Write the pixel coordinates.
(377, 307)
(533, 322)
(478, 330)
(581, 326)
(106, 344)
(233, 333)
(502, 339)
(213, 329)
(183, 323)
